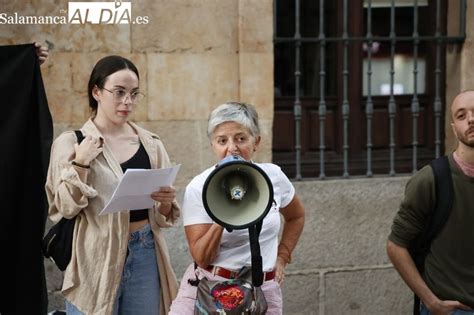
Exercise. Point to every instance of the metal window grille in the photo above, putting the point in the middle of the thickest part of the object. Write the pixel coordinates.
(369, 39)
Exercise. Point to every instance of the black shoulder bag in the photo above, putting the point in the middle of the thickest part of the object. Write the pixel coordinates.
(57, 243)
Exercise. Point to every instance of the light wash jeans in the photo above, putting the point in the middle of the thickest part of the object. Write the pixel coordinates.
(424, 311)
(139, 291)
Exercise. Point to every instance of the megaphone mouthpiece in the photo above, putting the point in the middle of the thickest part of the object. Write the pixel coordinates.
(237, 193)
(236, 184)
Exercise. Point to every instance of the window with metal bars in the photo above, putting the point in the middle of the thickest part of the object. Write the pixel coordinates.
(359, 85)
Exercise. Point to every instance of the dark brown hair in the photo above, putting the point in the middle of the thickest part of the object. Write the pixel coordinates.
(102, 69)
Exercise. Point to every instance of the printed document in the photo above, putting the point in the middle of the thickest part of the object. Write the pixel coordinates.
(134, 190)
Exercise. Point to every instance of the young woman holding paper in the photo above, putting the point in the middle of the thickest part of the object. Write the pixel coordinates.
(120, 262)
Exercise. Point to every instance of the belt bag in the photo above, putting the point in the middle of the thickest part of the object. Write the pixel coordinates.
(234, 296)
(57, 244)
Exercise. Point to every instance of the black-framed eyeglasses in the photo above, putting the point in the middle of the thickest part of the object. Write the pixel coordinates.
(120, 95)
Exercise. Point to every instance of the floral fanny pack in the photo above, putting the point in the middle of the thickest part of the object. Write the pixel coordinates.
(233, 296)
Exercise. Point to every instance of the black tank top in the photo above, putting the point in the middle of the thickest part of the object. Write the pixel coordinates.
(138, 160)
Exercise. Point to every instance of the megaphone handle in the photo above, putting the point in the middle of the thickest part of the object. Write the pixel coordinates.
(258, 227)
(257, 271)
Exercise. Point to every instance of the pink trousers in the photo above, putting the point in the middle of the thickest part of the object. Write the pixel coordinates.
(184, 302)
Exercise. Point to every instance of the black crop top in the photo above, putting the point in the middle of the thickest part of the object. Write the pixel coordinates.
(138, 160)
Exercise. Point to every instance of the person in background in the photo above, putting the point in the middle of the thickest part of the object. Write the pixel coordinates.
(447, 283)
(233, 129)
(120, 262)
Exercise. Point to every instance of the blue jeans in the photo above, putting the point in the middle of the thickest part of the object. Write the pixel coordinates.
(139, 291)
(424, 311)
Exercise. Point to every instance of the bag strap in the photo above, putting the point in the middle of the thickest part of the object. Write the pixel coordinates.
(444, 196)
(439, 216)
(257, 266)
(79, 135)
(194, 282)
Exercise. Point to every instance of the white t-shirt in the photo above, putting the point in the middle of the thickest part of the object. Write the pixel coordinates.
(234, 252)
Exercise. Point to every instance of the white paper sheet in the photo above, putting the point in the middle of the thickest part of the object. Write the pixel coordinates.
(134, 190)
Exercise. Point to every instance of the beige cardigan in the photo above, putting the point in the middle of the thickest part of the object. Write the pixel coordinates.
(99, 249)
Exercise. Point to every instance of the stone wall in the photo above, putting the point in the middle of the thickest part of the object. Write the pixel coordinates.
(192, 56)
(196, 54)
(340, 265)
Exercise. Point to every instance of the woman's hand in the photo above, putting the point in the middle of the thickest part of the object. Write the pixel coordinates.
(41, 52)
(88, 150)
(293, 215)
(165, 196)
(280, 270)
(204, 242)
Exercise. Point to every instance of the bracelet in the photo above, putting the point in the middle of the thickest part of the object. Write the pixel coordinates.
(80, 165)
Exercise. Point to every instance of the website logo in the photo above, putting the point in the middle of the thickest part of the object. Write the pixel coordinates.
(116, 12)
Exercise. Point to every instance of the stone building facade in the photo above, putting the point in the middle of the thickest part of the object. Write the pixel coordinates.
(196, 54)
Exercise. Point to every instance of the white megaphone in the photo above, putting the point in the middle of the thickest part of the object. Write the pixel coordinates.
(237, 194)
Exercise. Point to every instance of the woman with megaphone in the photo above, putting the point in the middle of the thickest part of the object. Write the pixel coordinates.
(221, 202)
